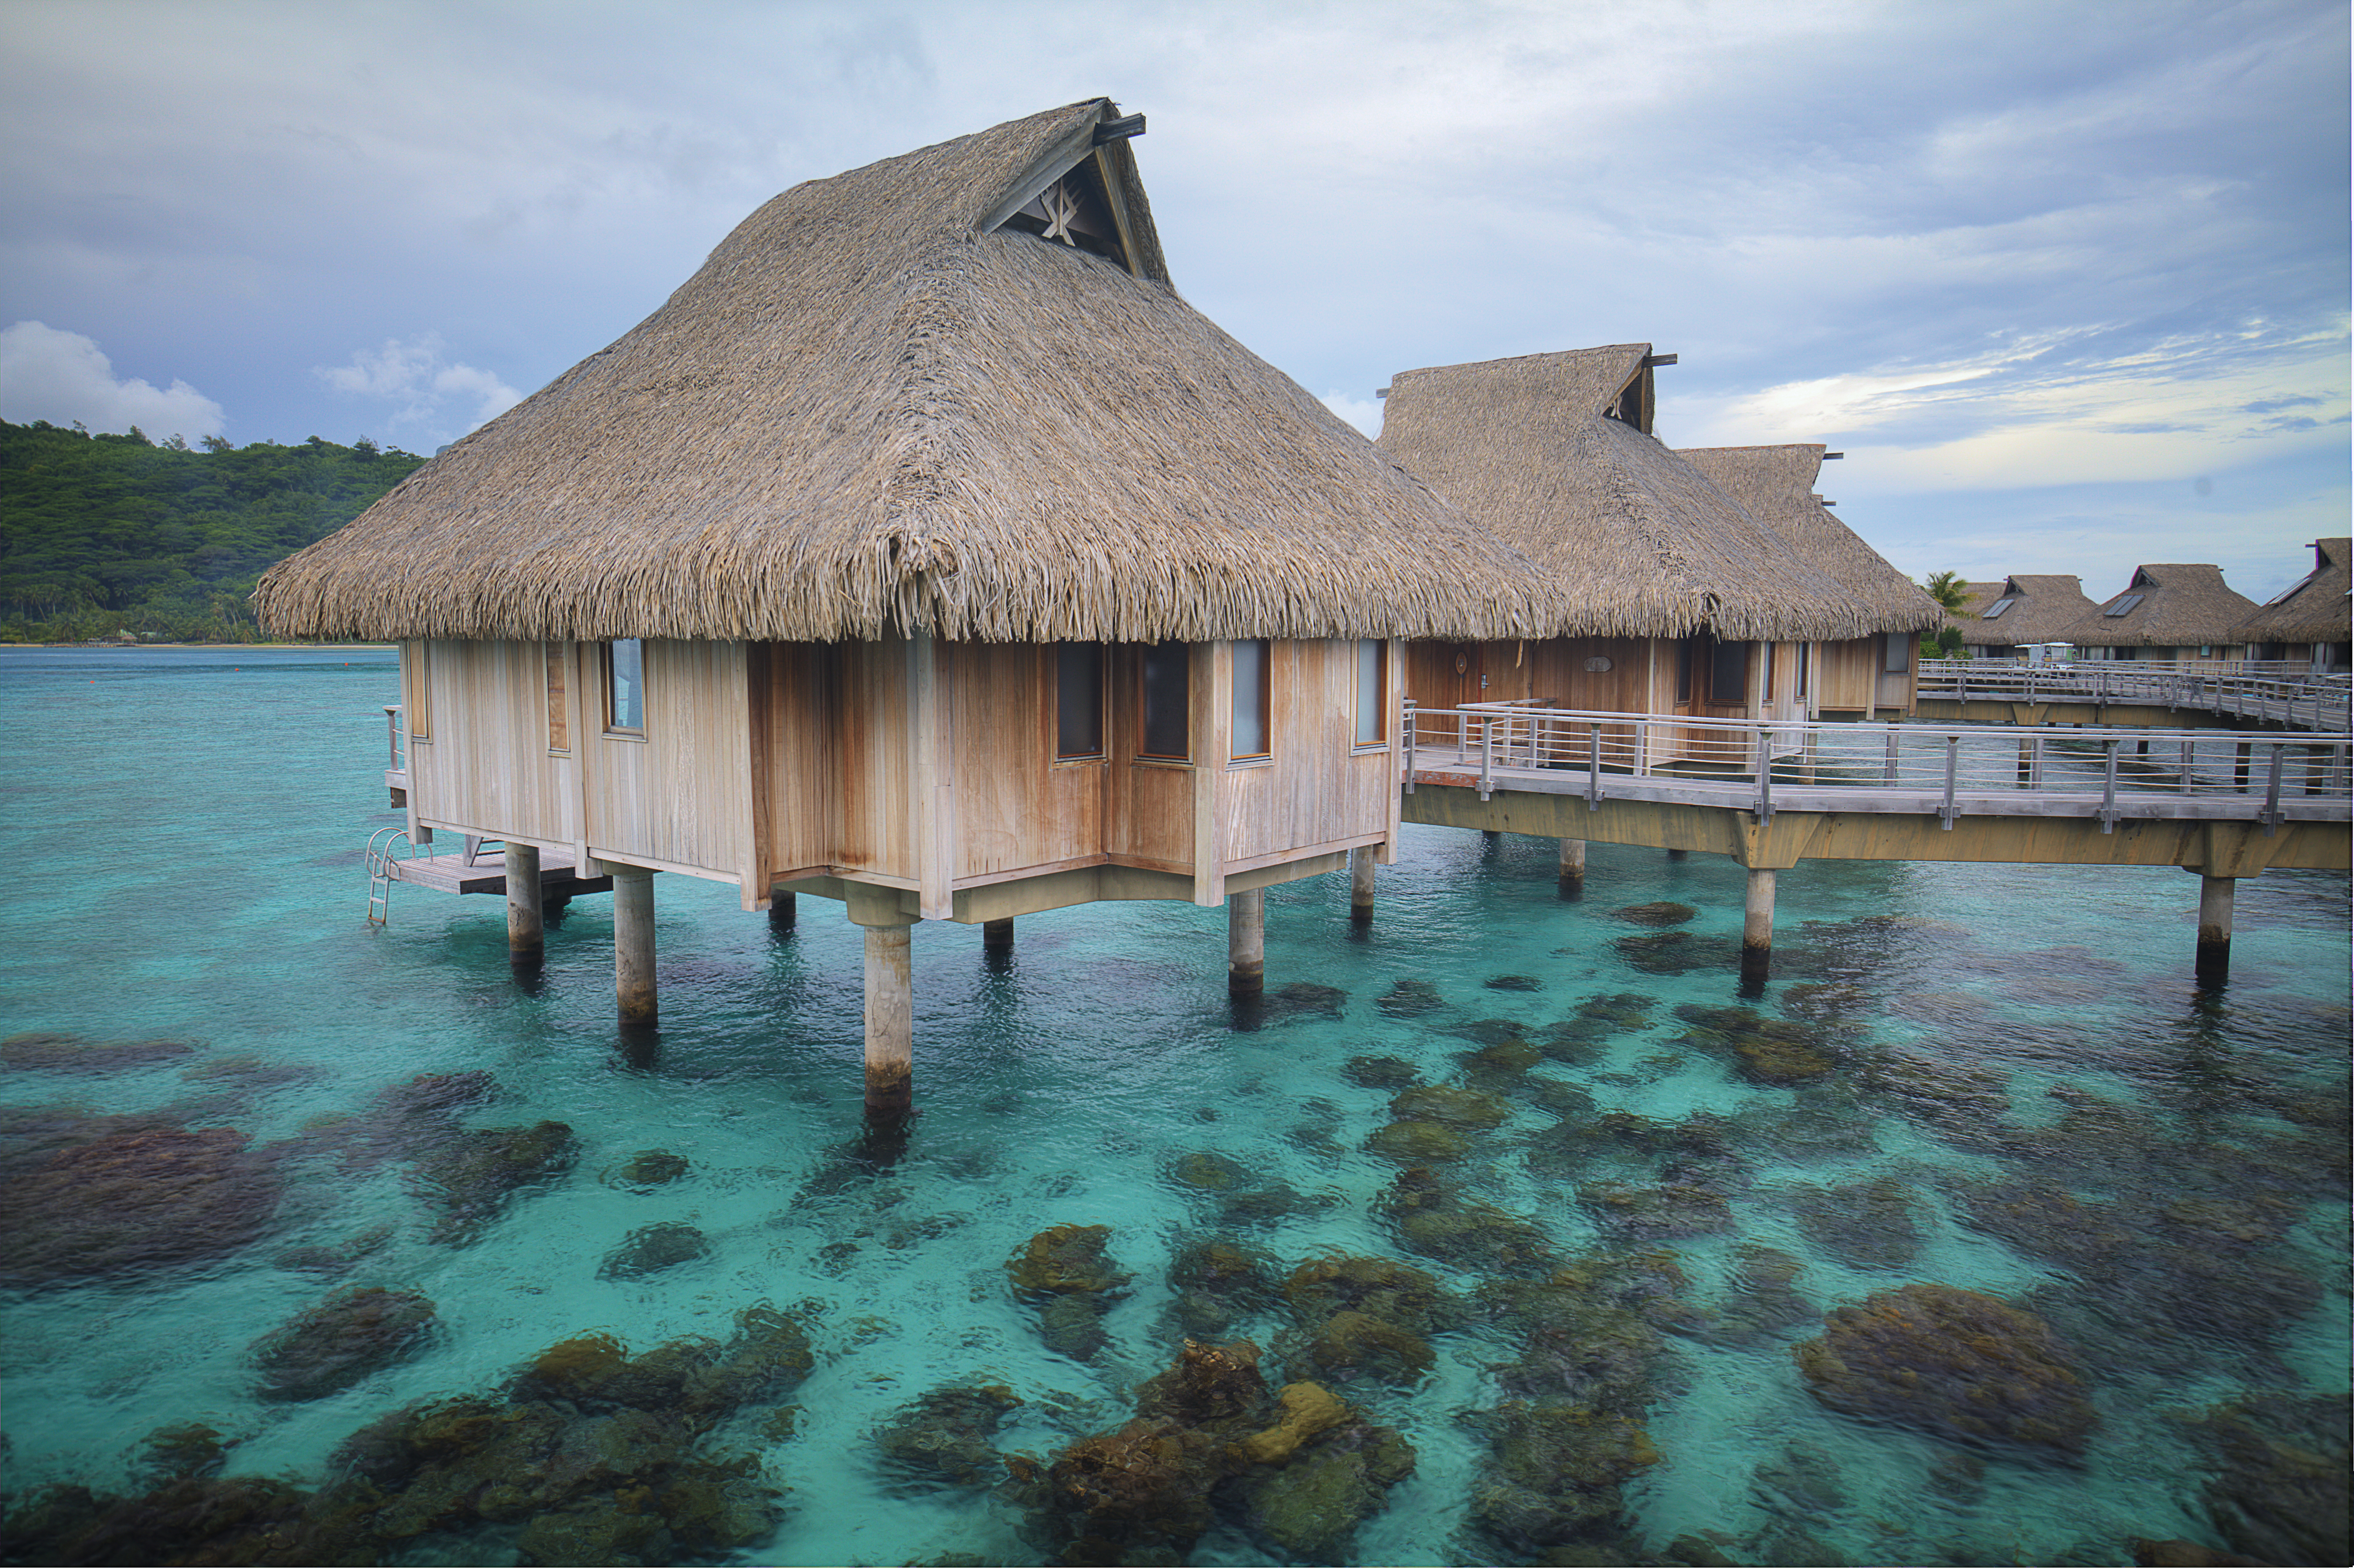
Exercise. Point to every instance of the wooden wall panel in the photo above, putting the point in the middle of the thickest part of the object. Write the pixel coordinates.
(486, 768)
(682, 795)
(1317, 790)
(1847, 674)
(1147, 806)
(875, 830)
(797, 747)
(1016, 806)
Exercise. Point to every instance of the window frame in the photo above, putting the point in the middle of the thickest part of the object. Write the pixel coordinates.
(609, 659)
(556, 673)
(1264, 702)
(1102, 752)
(1380, 697)
(1182, 653)
(1896, 652)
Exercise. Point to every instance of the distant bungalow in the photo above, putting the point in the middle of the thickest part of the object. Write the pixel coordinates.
(925, 551)
(2004, 618)
(2177, 612)
(2308, 619)
(1676, 599)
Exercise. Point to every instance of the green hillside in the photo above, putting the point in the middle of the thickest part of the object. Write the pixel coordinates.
(101, 534)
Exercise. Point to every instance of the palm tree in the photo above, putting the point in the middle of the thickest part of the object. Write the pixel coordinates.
(1947, 588)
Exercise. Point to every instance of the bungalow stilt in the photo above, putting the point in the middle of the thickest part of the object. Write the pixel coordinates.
(526, 921)
(1245, 943)
(782, 911)
(633, 943)
(997, 936)
(1360, 883)
(1757, 928)
(1573, 868)
(890, 1023)
(2213, 964)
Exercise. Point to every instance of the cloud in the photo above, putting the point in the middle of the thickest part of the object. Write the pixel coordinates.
(63, 376)
(1365, 413)
(437, 398)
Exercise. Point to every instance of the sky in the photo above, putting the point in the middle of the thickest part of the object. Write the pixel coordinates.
(2067, 284)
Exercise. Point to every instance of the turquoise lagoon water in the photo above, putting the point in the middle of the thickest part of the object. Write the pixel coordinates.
(183, 829)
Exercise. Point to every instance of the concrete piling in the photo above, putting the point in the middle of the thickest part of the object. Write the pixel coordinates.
(633, 943)
(1573, 868)
(997, 936)
(1757, 928)
(890, 1023)
(1360, 883)
(526, 920)
(783, 911)
(2214, 961)
(1245, 943)
(1677, 855)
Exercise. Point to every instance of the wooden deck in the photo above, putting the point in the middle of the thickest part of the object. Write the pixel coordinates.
(451, 873)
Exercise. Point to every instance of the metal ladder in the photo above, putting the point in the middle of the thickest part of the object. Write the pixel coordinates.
(383, 849)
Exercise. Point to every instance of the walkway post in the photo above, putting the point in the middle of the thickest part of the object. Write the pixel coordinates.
(1757, 928)
(997, 936)
(1573, 868)
(526, 921)
(2214, 961)
(1360, 883)
(890, 1023)
(633, 943)
(1245, 943)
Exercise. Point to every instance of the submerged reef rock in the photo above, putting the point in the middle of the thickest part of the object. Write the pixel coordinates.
(1379, 1071)
(1217, 1285)
(945, 1438)
(650, 1249)
(1653, 1214)
(1431, 1216)
(1759, 1304)
(1513, 983)
(329, 1347)
(45, 1050)
(1778, 1052)
(1960, 1104)
(1208, 1172)
(1868, 1224)
(1663, 912)
(1064, 1273)
(1302, 1470)
(471, 1178)
(1674, 952)
(130, 1201)
(1953, 1363)
(1451, 1107)
(1589, 1333)
(591, 1465)
(1417, 1143)
(647, 1168)
(2279, 1488)
(1364, 1317)
(1556, 1473)
(1410, 998)
(1301, 999)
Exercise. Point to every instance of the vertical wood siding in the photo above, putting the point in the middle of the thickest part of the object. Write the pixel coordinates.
(682, 794)
(1316, 791)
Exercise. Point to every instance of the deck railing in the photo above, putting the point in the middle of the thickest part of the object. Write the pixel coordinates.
(395, 739)
(1950, 769)
(2302, 701)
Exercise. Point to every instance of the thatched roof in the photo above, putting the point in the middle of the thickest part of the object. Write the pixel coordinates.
(2316, 610)
(1638, 542)
(2179, 605)
(2045, 607)
(1975, 596)
(879, 404)
(1777, 486)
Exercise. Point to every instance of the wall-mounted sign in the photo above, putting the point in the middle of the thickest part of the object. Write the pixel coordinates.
(1597, 664)
(1462, 662)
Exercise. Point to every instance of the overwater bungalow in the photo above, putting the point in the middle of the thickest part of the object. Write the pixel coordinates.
(1876, 676)
(2307, 621)
(1675, 599)
(926, 552)
(2173, 612)
(2004, 618)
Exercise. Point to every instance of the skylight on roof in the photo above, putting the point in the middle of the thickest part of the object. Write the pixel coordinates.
(1997, 608)
(2124, 604)
(2287, 593)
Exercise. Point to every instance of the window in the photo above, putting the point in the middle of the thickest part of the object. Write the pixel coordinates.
(1373, 691)
(1166, 679)
(1805, 658)
(2124, 605)
(625, 687)
(1728, 673)
(1250, 737)
(559, 721)
(1997, 608)
(1899, 653)
(1771, 649)
(1079, 700)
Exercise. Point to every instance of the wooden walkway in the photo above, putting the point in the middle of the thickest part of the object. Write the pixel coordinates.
(1963, 689)
(451, 873)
